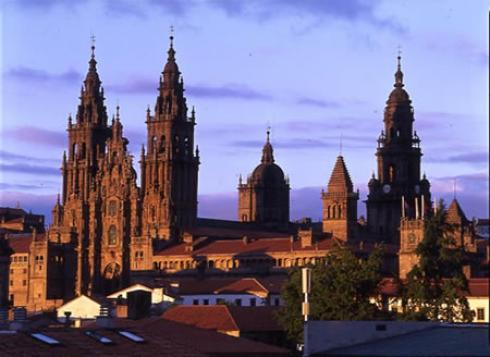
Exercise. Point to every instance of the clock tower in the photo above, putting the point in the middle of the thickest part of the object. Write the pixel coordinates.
(397, 191)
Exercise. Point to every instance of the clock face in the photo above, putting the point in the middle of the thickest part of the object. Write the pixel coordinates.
(386, 188)
(417, 189)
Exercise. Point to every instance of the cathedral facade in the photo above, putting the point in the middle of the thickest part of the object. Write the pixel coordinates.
(108, 231)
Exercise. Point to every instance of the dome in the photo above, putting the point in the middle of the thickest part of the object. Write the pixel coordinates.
(398, 95)
(268, 174)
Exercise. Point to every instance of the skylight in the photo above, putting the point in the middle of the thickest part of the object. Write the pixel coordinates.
(131, 336)
(102, 339)
(46, 339)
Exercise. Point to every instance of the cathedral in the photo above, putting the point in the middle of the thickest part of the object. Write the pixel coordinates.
(109, 231)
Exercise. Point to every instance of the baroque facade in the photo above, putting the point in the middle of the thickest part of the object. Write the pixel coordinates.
(107, 231)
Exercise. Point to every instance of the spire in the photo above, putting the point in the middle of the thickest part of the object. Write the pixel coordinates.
(399, 74)
(340, 179)
(92, 81)
(455, 213)
(267, 151)
(171, 66)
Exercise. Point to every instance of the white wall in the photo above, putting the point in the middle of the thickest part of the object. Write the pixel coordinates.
(228, 298)
(81, 307)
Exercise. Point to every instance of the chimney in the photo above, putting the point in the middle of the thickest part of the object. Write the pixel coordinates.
(67, 318)
(306, 237)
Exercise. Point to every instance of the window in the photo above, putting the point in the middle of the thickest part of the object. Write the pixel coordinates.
(253, 302)
(24, 282)
(480, 314)
(205, 302)
(195, 302)
(112, 208)
(238, 302)
(11, 283)
(112, 235)
(277, 302)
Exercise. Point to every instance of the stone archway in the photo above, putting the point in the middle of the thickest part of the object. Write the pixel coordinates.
(111, 278)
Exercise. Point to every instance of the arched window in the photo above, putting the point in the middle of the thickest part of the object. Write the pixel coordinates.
(162, 143)
(112, 235)
(339, 212)
(391, 173)
(112, 208)
(334, 211)
(328, 212)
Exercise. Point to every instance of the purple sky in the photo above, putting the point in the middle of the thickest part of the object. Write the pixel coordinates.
(312, 70)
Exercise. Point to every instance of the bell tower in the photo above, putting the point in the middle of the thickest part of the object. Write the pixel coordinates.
(398, 156)
(340, 203)
(169, 167)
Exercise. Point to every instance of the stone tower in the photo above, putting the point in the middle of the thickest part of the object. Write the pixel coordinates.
(169, 168)
(115, 204)
(264, 198)
(411, 234)
(398, 157)
(77, 223)
(340, 203)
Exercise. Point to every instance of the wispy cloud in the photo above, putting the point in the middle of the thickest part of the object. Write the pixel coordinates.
(480, 157)
(31, 134)
(317, 102)
(41, 76)
(24, 187)
(30, 169)
(352, 10)
(225, 91)
(9, 156)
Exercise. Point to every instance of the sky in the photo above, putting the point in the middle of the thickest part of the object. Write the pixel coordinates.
(317, 72)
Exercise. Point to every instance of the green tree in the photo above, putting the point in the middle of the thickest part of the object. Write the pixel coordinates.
(340, 290)
(435, 287)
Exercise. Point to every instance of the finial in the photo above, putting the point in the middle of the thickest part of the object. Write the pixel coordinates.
(240, 181)
(399, 57)
(58, 199)
(268, 133)
(454, 188)
(372, 174)
(399, 73)
(92, 38)
(171, 36)
(117, 111)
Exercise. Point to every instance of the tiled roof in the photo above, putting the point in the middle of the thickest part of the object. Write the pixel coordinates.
(253, 247)
(20, 243)
(221, 285)
(161, 338)
(478, 287)
(225, 318)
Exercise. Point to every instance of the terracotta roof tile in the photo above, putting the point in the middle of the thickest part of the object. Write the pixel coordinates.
(478, 287)
(258, 246)
(161, 337)
(225, 318)
(340, 179)
(20, 243)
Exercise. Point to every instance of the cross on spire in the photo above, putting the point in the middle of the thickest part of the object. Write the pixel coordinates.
(171, 35)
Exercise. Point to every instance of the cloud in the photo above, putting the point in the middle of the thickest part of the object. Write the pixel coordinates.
(9, 156)
(226, 91)
(28, 187)
(475, 157)
(30, 169)
(31, 134)
(352, 10)
(40, 76)
(317, 102)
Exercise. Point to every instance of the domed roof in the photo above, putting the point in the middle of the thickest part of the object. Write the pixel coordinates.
(268, 172)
